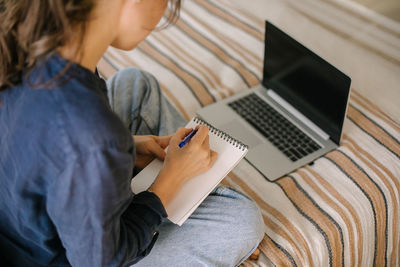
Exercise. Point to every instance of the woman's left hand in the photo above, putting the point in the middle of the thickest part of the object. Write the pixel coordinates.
(148, 147)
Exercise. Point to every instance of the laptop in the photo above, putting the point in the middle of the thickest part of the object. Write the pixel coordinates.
(294, 117)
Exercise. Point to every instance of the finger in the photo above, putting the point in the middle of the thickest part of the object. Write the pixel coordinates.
(213, 157)
(157, 150)
(179, 135)
(163, 141)
(206, 143)
(201, 135)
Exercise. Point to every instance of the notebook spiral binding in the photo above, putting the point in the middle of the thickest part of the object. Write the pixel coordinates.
(223, 135)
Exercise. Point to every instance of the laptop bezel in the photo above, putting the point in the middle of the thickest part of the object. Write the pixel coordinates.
(336, 138)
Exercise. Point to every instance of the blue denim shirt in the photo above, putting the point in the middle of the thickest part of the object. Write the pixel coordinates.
(66, 162)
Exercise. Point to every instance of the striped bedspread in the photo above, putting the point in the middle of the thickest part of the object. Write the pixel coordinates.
(341, 211)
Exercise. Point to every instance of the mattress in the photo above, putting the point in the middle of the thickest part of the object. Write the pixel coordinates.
(341, 211)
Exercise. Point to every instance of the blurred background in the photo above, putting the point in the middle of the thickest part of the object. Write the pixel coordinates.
(388, 8)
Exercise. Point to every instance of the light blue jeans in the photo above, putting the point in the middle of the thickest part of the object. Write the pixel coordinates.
(226, 228)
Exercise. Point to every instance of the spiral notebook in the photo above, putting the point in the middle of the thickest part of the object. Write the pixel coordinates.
(193, 192)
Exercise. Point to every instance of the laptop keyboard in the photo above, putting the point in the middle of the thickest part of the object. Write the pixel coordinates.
(276, 128)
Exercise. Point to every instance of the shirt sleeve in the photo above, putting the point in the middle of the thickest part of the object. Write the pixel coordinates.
(99, 220)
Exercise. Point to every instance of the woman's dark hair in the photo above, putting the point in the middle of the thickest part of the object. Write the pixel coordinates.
(33, 30)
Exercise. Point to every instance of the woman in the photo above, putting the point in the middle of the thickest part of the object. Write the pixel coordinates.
(69, 146)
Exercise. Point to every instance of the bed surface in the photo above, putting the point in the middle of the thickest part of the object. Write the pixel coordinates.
(341, 211)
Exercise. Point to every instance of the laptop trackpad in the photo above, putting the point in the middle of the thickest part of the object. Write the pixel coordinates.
(240, 131)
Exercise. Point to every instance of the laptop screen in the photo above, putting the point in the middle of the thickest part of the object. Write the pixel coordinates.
(310, 84)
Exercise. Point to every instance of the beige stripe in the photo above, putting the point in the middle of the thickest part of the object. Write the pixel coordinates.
(170, 96)
(105, 68)
(340, 211)
(349, 37)
(210, 71)
(246, 264)
(282, 219)
(381, 40)
(128, 61)
(363, 18)
(258, 60)
(273, 253)
(198, 88)
(357, 150)
(374, 130)
(258, 22)
(317, 216)
(226, 40)
(350, 208)
(375, 196)
(174, 101)
(374, 109)
(250, 78)
(183, 56)
(234, 21)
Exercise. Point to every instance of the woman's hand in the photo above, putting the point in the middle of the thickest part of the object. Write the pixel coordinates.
(149, 147)
(182, 164)
(192, 159)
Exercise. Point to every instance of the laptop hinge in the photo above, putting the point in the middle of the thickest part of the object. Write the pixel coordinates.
(297, 114)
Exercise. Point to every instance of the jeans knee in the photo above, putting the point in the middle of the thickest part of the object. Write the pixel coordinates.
(141, 75)
(124, 76)
(243, 226)
(247, 219)
(254, 221)
(134, 78)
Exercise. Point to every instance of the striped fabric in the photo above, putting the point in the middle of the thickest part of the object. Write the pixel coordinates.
(341, 211)
(352, 21)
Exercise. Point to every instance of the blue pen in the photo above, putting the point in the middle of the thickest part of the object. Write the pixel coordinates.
(187, 138)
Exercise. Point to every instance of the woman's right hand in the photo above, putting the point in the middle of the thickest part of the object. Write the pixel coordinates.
(182, 164)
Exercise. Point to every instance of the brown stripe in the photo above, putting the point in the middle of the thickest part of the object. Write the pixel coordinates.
(327, 226)
(246, 264)
(374, 109)
(224, 182)
(257, 59)
(175, 101)
(340, 211)
(249, 77)
(106, 69)
(183, 56)
(273, 253)
(128, 61)
(363, 18)
(349, 37)
(278, 230)
(229, 18)
(210, 71)
(226, 40)
(197, 87)
(357, 150)
(373, 130)
(385, 41)
(282, 219)
(375, 196)
(352, 211)
(250, 17)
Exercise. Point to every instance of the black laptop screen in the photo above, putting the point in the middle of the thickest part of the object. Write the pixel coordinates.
(306, 81)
